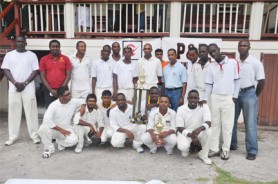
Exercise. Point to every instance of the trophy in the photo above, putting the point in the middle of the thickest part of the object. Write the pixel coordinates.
(136, 113)
(159, 127)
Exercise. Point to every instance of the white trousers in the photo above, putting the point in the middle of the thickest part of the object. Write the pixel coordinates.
(222, 112)
(118, 138)
(107, 133)
(99, 91)
(47, 134)
(170, 141)
(204, 138)
(129, 93)
(29, 103)
(81, 131)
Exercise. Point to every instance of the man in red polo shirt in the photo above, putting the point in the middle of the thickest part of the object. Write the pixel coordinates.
(55, 69)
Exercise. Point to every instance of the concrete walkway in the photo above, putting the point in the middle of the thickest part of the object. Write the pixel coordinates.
(23, 160)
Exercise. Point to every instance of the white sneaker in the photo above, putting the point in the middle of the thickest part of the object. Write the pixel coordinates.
(78, 150)
(61, 148)
(47, 153)
(153, 150)
(184, 153)
(206, 160)
(36, 141)
(140, 150)
(9, 142)
(170, 152)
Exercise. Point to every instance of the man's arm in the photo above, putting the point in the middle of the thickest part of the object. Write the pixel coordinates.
(115, 86)
(184, 85)
(94, 81)
(45, 83)
(67, 79)
(194, 134)
(62, 131)
(128, 133)
(260, 86)
(19, 86)
(31, 77)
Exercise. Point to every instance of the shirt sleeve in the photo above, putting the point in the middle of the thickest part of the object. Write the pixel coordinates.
(183, 74)
(68, 63)
(76, 117)
(159, 69)
(116, 68)
(42, 64)
(48, 118)
(151, 120)
(5, 64)
(179, 117)
(173, 120)
(100, 118)
(35, 64)
(259, 71)
(94, 69)
(113, 121)
(209, 77)
(206, 114)
(236, 71)
(136, 70)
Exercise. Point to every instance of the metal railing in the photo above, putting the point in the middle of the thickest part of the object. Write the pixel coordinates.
(215, 18)
(121, 17)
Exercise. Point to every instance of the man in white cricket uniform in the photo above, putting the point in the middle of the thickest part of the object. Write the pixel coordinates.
(222, 83)
(88, 119)
(21, 67)
(57, 123)
(167, 137)
(81, 84)
(105, 106)
(120, 120)
(193, 123)
(102, 73)
(125, 75)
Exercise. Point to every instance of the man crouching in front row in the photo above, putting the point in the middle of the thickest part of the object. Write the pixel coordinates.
(57, 123)
(88, 119)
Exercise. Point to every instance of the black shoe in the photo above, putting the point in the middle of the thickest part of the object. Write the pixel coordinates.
(233, 148)
(251, 156)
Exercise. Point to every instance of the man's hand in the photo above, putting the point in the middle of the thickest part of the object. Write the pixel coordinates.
(162, 135)
(19, 86)
(64, 132)
(53, 92)
(201, 103)
(92, 129)
(195, 133)
(234, 99)
(181, 101)
(98, 134)
(129, 135)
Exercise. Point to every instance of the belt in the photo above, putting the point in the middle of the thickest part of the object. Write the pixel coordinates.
(173, 89)
(245, 89)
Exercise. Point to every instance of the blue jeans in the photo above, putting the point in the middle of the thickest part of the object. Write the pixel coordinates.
(174, 96)
(248, 102)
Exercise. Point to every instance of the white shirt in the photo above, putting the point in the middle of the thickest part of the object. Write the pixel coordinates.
(81, 75)
(251, 70)
(223, 79)
(168, 120)
(120, 119)
(199, 77)
(58, 114)
(21, 65)
(95, 118)
(112, 59)
(192, 118)
(152, 69)
(104, 112)
(102, 70)
(125, 74)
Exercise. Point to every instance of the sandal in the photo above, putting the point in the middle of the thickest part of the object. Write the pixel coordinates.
(47, 153)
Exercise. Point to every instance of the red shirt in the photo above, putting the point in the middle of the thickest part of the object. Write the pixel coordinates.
(55, 69)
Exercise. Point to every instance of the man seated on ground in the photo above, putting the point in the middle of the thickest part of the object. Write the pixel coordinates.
(162, 118)
(121, 122)
(105, 106)
(193, 123)
(57, 123)
(89, 121)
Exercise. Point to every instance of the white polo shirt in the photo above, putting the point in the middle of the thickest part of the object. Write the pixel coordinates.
(168, 120)
(104, 112)
(152, 69)
(120, 119)
(125, 74)
(102, 70)
(21, 65)
(223, 78)
(95, 118)
(251, 70)
(192, 118)
(111, 58)
(199, 77)
(81, 75)
(58, 114)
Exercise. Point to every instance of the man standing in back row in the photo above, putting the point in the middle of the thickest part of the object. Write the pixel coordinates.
(55, 71)
(251, 85)
(21, 67)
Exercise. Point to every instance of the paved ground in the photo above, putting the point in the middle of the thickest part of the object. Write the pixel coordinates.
(23, 160)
